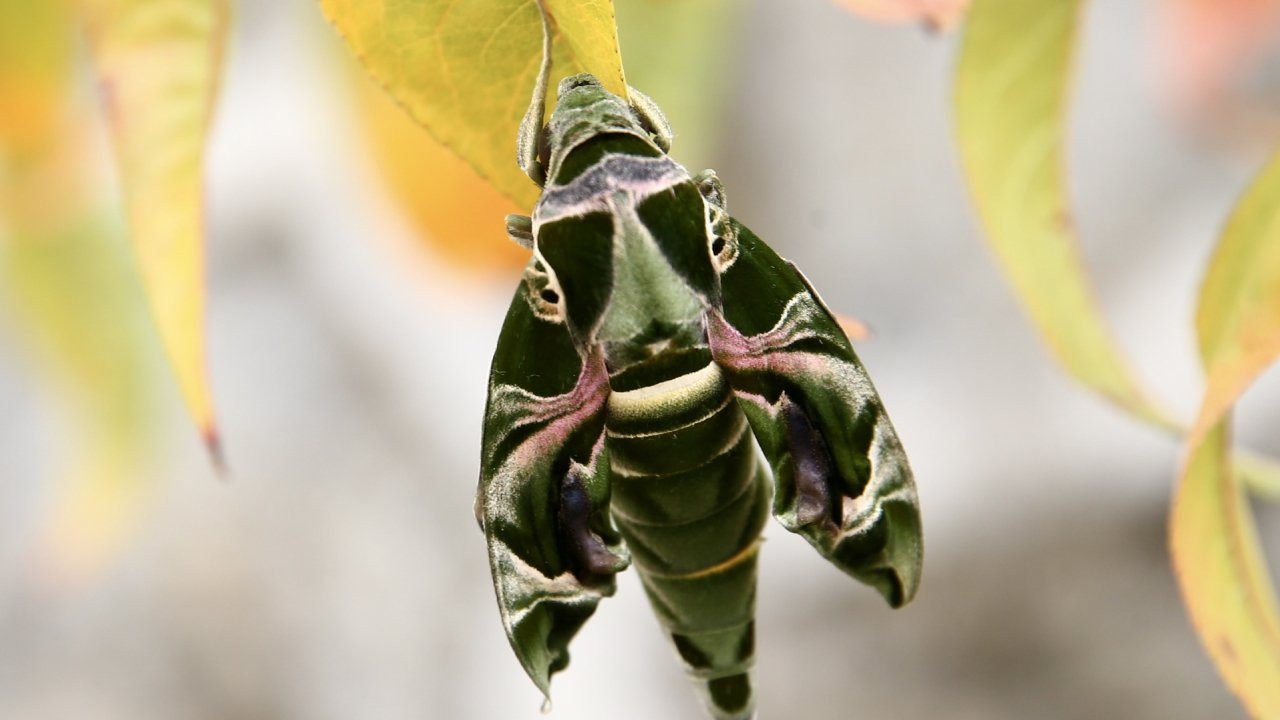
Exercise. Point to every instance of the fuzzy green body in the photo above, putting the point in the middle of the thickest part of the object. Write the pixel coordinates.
(653, 343)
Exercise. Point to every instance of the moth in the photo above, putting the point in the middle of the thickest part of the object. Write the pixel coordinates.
(653, 342)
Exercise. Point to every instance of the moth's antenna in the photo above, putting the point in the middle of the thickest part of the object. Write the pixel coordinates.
(531, 126)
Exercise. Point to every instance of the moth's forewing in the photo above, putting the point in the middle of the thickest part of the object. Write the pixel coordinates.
(544, 488)
(841, 476)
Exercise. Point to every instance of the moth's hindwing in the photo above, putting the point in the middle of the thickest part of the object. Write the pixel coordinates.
(544, 484)
(841, 476)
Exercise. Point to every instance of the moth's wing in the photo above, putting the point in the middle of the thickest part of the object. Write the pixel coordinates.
(841, 476)
(544, 489)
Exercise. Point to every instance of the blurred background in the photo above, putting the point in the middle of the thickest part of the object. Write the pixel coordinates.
(337, 571)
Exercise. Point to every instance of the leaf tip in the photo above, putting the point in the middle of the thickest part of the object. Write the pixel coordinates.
(213, 446)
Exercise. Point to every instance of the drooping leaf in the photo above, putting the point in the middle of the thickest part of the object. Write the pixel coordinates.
(159, 62)
(1223, 576)
(465, 69)
(1010, 100)
(1214, 544)
(1238, 319)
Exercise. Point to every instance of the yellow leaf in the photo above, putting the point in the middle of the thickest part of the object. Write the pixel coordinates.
(1215, 547)
(1010, 98)
(159, 63)
(1223, 576)
(465, 69)
(1238, 320)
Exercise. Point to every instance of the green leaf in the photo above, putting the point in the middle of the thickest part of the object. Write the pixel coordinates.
(159, 62)
(465, 69)
(1010, 99)
(1214, 544)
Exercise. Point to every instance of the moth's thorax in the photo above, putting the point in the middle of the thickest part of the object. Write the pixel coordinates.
(622, 232)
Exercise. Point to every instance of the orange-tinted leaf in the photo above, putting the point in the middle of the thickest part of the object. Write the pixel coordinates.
(455, 211)
(35, 63)
(857, 330)
(939, 14)
(1208, 43)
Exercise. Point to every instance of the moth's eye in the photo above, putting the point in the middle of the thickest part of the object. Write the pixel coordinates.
(723, 240)
(542, 291)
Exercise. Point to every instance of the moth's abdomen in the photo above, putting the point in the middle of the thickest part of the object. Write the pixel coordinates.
(690, 502)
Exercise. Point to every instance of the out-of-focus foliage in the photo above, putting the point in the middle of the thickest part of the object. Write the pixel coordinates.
(454, 211)
(1215, 56)
(159, 62)
(35, 63)
(1223, 576)
(1010, 104)
(465, 71)
(69, 289)
(1215, 547)
(680, 54)
(1238, 320)
(938, 14)
(1010, 96)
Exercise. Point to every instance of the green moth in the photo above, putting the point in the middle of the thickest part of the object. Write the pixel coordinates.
(652, 338)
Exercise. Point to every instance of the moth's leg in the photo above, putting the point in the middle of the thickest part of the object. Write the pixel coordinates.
(579, 520)
(712, 190)
(652, 118)
(529, 138)
(520, 230)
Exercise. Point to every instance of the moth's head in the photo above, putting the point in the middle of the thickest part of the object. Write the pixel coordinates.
(585, 110)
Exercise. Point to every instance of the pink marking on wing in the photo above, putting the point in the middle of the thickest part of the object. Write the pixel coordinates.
(765, 352)
(564, 413)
